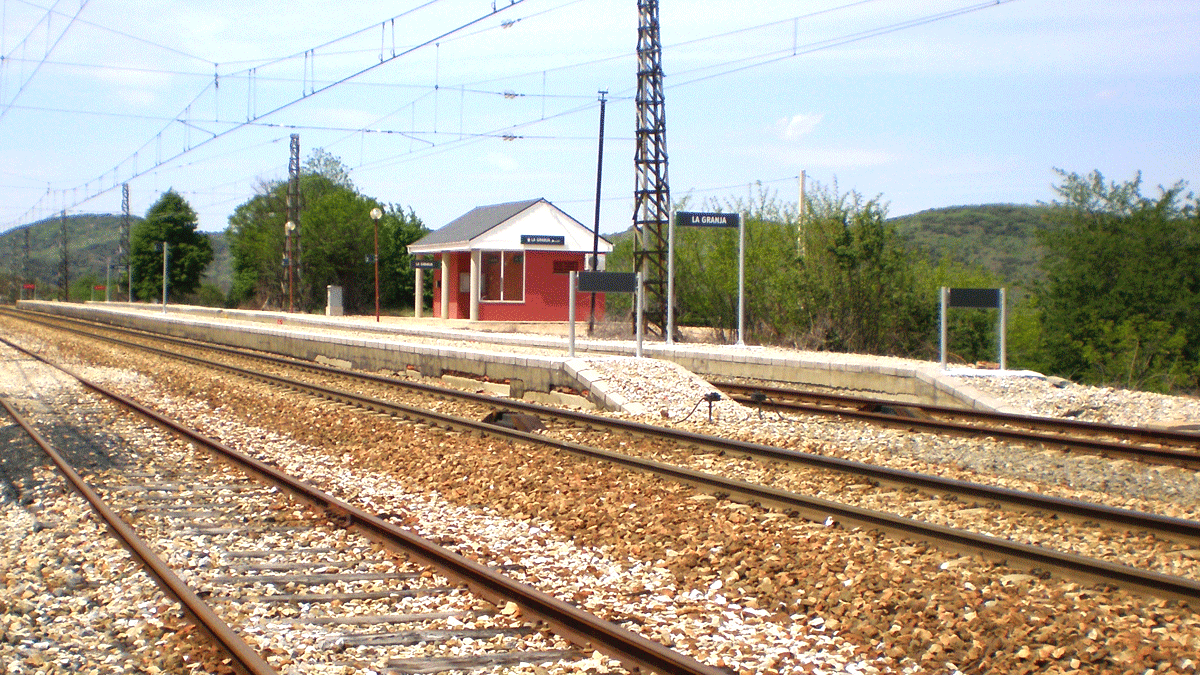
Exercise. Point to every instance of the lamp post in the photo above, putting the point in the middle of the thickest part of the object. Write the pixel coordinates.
(376, 214)
(287, 230)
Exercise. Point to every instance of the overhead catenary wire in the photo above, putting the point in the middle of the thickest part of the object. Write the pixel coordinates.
(448, 141)
(49, 50)
(114, 31)
(793, 51)
(184, 116)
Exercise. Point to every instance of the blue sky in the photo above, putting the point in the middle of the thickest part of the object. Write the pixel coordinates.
(975, 108)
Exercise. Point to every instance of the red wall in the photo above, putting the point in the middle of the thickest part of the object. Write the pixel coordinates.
(546, 297)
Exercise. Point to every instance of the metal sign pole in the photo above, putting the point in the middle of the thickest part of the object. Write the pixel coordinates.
(1003, 329)
(641, 302)
(572, 289)
(166, 251)
(671, 279)
(741, 282)
(942, 323)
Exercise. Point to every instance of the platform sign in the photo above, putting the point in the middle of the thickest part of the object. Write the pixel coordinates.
(707, 219)
(543, 239)
(603, 282)
(975, 298)
(29, 287)
(699, 219)
(981, 298)
(607, 282)
(99, 287)
(426, 264)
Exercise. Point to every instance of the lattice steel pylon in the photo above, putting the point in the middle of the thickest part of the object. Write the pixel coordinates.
(652, 192)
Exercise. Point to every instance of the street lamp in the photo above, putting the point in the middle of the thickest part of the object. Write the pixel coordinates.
(287, 230)
(376, 214)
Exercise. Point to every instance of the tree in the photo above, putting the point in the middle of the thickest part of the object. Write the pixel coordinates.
(858, 282)
(1121, 300)
(841, 282)
(330, 246)
(398, 229)
(171, 220)
(321, 163)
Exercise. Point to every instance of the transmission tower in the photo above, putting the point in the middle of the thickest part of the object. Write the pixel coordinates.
(124, 246)
(652, 193)
(293, 217)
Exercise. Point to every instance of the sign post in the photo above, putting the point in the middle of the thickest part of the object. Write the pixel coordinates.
(166, 253)
(671, 278)
(573, 278)
(698, 219)
(604, 282)
(420, 265)
(980, 298)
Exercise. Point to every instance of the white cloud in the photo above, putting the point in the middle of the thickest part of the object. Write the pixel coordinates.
(797, 126)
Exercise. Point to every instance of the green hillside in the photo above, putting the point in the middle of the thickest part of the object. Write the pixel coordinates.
(999, 237)
(92, 241)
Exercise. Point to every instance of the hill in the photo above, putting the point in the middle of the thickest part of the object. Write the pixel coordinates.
(1000, 237)
(92, 242)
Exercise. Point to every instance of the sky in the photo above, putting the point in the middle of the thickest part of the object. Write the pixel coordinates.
(444, 105)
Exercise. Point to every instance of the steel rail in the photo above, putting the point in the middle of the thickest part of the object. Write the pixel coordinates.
(1132, 520)
(582, 628)
(994, 548)
(869, 408)
(244, 658)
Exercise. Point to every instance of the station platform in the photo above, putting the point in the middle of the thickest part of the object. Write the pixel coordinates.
(523, 360)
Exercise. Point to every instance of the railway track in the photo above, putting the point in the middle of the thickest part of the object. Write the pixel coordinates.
(818, 509)
(1161, 446)
(242, 539)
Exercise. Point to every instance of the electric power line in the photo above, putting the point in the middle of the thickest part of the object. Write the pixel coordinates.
(49, 50)
(215, 135)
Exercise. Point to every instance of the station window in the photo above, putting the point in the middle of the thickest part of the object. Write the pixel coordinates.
(566, 266)
(503, 276)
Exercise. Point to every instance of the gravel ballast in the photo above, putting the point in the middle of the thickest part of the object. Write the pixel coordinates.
(792, 595)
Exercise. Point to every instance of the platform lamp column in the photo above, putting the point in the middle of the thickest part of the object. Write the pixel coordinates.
(376, 214)
(287, 230)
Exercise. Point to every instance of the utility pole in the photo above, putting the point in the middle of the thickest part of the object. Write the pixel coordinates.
(293, 216)
(652, 193)
(596, 231)
(65, 264)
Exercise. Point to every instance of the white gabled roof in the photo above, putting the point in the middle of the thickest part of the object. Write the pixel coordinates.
(500, 227)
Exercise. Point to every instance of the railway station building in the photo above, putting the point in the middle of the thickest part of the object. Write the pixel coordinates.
(508, 262)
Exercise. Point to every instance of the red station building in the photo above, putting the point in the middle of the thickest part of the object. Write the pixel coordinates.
(508, 262)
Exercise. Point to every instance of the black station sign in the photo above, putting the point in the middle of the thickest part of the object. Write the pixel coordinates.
(607, 282)
(418, 264)
(543, 239)
(697, 219)
(974, 297)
